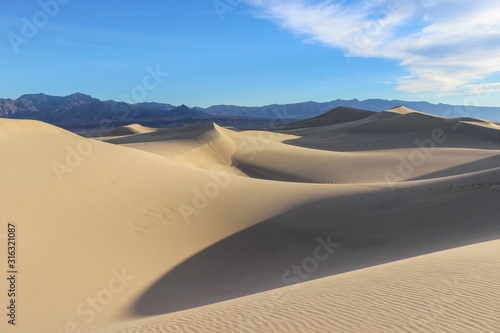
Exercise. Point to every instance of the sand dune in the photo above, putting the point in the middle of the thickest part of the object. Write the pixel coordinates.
(126, 130)
(398, 128)
(202, 228)
(336, 116)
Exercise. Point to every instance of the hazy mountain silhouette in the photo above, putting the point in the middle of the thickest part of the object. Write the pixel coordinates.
(83, 111)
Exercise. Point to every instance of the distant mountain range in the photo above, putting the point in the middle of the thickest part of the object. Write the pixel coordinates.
(311, 109)
(79, 111)
(83, 111)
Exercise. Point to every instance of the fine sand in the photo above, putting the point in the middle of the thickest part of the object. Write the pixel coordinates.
(388, 220)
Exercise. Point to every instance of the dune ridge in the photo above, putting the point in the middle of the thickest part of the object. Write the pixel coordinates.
(126, 130)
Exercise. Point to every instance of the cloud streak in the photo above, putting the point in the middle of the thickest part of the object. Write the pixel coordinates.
(445, 45)
(484, 88)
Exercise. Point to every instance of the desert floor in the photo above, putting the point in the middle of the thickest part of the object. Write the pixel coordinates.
(353, 221)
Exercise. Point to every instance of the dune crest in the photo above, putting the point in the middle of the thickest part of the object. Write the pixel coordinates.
(404, 110)
(216, 150)
(126, 130)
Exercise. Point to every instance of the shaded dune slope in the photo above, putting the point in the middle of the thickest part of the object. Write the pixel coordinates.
(437, 292)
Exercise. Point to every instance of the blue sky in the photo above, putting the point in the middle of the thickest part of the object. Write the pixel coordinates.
(253, 52)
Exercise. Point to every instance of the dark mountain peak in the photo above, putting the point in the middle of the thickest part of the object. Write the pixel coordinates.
(183, 108)
(30, 96)
(38, 98)
(156, 106)
(42, 98)
(39, 102)
(82, 98)
(187, 112)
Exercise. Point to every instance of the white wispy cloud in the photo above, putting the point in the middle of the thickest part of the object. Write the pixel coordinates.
(483, 88)
(445, 44)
